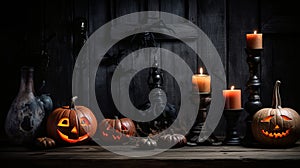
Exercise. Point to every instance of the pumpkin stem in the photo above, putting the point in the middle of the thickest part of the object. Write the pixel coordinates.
(276, 101)
(72, 105)
(172, 131)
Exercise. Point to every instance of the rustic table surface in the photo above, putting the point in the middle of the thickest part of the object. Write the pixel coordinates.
(93, 155)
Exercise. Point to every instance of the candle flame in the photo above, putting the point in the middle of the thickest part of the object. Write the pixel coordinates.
(201, 70)
(255, 31)
(232, 87)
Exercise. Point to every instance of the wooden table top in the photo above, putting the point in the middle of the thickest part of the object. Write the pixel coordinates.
(92, 155)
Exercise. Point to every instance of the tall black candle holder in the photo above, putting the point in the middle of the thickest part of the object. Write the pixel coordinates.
(193, 136)
(253, 103)
(232, 117)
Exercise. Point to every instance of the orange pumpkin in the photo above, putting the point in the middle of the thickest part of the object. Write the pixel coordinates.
(276, 126)
(116, 131)
(71, 124)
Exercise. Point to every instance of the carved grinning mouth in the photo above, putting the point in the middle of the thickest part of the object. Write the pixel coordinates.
(66, 138)
(276, 134)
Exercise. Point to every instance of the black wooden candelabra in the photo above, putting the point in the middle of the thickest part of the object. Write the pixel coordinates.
(253, 103)
(193, 136)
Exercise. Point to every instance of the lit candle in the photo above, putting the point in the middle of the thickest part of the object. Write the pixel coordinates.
(254, 41)
(202, 81)
(232, 98)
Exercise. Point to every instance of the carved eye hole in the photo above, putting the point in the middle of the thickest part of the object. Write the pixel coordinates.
(64, 122)
(123, 127)
(286, 117)
(267, 119)
(84, 121)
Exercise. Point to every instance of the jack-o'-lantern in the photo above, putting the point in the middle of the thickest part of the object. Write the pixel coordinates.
(71, 124)
(116, 131)
(276, 126)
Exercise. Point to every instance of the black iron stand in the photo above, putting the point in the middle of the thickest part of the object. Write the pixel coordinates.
(253, 87)
(194, 134)
(232, 117)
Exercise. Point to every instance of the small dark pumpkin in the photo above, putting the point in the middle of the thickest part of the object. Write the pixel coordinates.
(116, 131)
(276, 126)
(71, 124)
(173, 140)
(47, 102)
(146, 143)
(44, 143)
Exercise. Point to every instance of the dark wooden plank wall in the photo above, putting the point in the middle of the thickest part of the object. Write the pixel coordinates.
(26, 24)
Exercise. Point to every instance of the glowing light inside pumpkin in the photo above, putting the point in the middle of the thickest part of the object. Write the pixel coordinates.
(84, 122)
(286, 117)
(276, 134)
(66, 138)
(74, 130)
(267, 119)
(64, 122)
(116, 137)
(115, 133)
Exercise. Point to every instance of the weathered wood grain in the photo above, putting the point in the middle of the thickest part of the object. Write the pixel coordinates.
(200, 156)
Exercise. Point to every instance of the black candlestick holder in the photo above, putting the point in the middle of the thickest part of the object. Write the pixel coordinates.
(232, 117)
(193, 136)
(253, 103)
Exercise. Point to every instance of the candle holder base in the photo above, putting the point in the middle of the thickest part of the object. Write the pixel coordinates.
(193, 136)
(232, 117)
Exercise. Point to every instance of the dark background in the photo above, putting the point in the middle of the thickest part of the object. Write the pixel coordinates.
(25, 25)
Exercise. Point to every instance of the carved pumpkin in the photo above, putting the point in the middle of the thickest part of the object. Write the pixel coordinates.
(276, 126)
(71, 124)
(116, 131)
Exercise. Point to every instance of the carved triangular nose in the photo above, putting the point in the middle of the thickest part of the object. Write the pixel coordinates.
(74, 130)
(276, 127)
